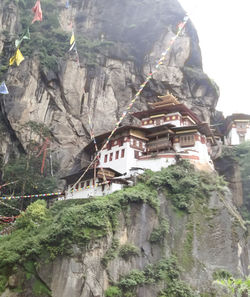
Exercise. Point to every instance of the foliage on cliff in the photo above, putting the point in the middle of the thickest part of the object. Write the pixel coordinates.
(41, 233)
(165, 270)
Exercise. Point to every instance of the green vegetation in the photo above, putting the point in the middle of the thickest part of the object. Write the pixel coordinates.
(159, 234)
(113, 291)
(221, 274)
(238, 287)
(47, 40)
(42, 233)
(182, 183)
(241, 154)
(58, 228)
(128, 250)
(166, 270)
(25, 170)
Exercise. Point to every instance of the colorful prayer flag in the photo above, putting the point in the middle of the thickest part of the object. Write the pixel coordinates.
(38, 12)
(72, 42)
(72, 39)
(25, 36)
(3, 89)
(17, 58)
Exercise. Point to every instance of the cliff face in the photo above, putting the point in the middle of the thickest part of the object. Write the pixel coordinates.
(131, 37)
(130, 241)
(208, 240)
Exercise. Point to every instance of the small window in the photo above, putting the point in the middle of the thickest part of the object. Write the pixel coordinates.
(134, 142)
(121, 142)
(123, 153)
(105, 158)
(140, 144)
(88, 182)
(116, 155)
(82, 184)
(111, 157)
(136, 154)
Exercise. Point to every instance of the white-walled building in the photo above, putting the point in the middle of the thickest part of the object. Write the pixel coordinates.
(237, 129)
(169, 131)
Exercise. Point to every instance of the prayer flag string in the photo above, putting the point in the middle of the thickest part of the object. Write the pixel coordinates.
(181, 26)
(31, 196)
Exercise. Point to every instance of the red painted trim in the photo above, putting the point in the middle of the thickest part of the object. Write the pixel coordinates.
(190, 157)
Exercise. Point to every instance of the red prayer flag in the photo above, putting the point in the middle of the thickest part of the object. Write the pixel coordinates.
(38, 12)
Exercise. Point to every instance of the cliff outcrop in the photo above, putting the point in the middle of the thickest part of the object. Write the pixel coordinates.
(118, 45)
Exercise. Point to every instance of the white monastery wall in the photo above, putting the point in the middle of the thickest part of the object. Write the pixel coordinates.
(155, 164)
(92, 191)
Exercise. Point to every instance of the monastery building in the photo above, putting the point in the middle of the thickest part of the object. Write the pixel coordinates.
(169, 131)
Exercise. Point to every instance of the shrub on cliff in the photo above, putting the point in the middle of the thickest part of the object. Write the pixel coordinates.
(182, 183)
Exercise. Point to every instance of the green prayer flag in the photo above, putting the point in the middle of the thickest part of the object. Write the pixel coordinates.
(26, 35)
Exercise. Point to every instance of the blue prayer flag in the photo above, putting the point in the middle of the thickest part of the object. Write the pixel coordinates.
(3, 89)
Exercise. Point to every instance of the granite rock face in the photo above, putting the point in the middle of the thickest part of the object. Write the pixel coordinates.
(138, 32)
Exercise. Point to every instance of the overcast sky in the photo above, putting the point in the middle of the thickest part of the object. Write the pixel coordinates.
(224, 31)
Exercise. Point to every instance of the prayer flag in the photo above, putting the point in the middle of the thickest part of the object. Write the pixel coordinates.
(3, 89)
(18, 58)
(72, 42)
(72, 39)
(67, 4)
(38, 12)
(25, 36)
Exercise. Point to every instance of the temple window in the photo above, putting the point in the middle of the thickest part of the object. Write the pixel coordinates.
(116, 155)
(88, 182)
(111, 157)
(105, 158)
(122, 153)
(187, 140)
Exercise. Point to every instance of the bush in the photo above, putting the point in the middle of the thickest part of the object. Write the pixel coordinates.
(177, 289)
(221, 274)
(128, 250)
(165, 270)
(130, 281)
(182, 183)
(113, 291)
(159, 234)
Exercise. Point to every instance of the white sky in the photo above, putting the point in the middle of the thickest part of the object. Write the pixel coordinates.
(223, 27)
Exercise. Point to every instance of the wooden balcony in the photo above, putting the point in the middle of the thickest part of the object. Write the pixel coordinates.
(159, 144)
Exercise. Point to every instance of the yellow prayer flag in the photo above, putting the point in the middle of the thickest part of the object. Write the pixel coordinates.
(12, 60)
(72, 39)
(18, 58)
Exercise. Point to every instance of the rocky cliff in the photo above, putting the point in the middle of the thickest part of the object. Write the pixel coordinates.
(174, 228)
(118, 45)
